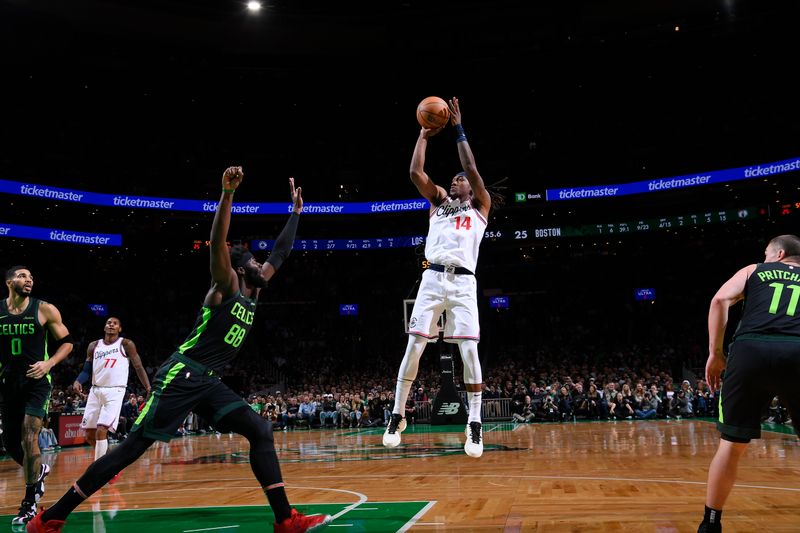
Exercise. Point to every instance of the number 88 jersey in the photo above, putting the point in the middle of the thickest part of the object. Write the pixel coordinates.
(219, 332)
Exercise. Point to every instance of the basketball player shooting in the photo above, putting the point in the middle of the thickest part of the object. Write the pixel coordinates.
(458, 220)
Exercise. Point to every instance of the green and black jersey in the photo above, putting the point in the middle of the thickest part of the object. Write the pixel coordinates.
(219, 332)
(772, 295)
(23, 340)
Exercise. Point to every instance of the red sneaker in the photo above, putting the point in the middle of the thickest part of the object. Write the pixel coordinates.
(37, 525)
(300, 523)
(114, 479)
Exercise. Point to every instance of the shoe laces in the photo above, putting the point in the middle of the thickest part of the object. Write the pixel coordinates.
(393, 423)
(475, 432)
(26, 507)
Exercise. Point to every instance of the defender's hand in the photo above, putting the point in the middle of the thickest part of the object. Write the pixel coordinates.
(232, 177)
(297, 196)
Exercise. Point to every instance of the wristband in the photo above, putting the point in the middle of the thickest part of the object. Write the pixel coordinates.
(461, 135)
(228, 190)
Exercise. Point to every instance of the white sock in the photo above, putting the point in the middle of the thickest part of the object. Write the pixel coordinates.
(407, 373)
(474, 399)
(472, 376)
(100, 448)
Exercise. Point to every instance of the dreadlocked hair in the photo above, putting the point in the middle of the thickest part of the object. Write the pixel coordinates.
(495, 191)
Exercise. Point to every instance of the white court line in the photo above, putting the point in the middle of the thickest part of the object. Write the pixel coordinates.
(549, 478)
(361, 499)
(416, 517)
(208, 529)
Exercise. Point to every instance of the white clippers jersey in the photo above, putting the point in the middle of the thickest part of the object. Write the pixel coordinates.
(110, 365)
(454, 234)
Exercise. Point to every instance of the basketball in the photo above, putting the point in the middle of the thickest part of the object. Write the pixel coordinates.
(432, 112)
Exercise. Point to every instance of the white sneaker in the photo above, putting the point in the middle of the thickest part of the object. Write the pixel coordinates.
(474, 445)
(391, 437)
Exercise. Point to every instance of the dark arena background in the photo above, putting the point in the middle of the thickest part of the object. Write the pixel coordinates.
(646, 152)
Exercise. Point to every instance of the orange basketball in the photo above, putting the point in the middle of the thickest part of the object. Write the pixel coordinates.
(433, 112)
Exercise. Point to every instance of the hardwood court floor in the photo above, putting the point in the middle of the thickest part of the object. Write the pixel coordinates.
(586, 476)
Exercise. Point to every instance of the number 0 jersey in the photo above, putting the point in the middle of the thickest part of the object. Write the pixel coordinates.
(23, 340)
(219, 332)
(772, 294)
(110, 364)
(454, 234)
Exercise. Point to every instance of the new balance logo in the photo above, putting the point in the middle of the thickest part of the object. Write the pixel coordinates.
(448, 408)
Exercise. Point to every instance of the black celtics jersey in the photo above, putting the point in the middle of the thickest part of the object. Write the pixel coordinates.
(219, 332)
(771, 301)
(23, 340)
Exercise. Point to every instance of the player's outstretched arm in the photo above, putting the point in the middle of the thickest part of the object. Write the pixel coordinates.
(479, 191)
(221, 271)
(429, 190)
(285, 241)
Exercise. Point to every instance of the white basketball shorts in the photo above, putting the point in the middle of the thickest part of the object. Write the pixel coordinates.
(454, 293)
(103, 407)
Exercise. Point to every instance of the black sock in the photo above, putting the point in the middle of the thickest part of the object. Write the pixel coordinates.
(279, 503)
(30, 492)
(63, 507)
(712, 516)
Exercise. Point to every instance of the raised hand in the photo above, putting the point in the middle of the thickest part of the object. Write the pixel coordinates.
(455, 111)
(297, 196)
(231, 178)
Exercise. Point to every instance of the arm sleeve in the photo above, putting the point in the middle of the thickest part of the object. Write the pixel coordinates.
(85, 374)
(284, 242)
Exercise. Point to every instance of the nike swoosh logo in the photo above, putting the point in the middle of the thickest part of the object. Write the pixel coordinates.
(2, 317)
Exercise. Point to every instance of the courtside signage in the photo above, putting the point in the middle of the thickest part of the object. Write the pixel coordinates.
(677, 182)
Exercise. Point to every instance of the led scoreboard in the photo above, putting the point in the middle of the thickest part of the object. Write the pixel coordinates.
(509, 233)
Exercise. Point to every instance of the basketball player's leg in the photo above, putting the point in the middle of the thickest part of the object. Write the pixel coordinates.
(111, 399)
(463, 329)
(13, 414)
(98, 474)
(91, 415)
(742, 397)
(229, 412)
(428, 306)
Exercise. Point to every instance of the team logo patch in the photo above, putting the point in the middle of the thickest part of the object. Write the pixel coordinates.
(412, 323)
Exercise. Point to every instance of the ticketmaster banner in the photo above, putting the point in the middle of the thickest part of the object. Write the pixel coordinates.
(677, 182)
(59, 235)
(176, 204)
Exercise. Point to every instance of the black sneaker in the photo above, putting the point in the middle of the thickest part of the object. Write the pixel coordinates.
(40, 482)
(391, 437)
(27, 510)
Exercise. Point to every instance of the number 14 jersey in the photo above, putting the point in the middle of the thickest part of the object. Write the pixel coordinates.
(454, 234)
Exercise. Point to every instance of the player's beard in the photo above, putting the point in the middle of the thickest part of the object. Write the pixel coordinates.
(253, 278)
(21, 291)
